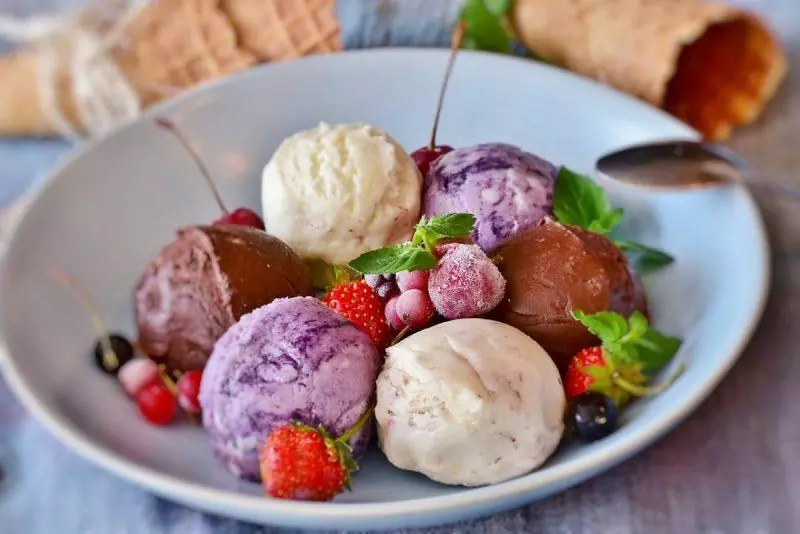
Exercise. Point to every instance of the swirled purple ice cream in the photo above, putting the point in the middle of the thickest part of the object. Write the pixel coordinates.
(293, 359)
(508, 190)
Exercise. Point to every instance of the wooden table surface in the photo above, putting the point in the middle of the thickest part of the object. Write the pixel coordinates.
(732, 467)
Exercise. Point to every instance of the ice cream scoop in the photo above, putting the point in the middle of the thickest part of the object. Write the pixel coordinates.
(508, 190)
(292, 360)
(337, 191)
(203, 282)
(469, 402)
(554, 269)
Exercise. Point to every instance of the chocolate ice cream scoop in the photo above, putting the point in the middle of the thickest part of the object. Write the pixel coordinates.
(552, 270)
(203, 282)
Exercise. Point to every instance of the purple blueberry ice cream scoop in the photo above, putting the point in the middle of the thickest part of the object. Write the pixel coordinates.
(508, 190)
(293, 359)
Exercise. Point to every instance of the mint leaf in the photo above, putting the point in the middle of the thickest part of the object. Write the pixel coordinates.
(484, 30)
(631, 340)
(643, 258)
(393, 260)
(451, 225)
(578, 201)
(498, 8)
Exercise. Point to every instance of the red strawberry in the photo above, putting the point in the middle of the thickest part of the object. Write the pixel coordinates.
(361, 305)
(306, 464)
(576, 380)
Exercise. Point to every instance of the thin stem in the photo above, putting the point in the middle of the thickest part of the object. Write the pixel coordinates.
(455, 44)
(110, 359)
(170, 127)
(400, 336)
(360, 423)
(642, 391)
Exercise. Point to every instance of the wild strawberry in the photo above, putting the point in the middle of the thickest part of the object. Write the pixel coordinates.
(621, 367)
(302, 463)
(361, 305)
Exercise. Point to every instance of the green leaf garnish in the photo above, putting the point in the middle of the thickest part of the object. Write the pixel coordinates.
(393, 260)
(578, 201)
(324, 275)
(418, 255)
(630, 341)
(484, 27)
(644, 259)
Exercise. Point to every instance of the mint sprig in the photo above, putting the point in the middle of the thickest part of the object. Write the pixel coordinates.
(485, 28)
(630, 341)
(419, 253)
(578, 201)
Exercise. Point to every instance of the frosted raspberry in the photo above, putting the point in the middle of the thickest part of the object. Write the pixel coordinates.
(391, 315)
(414, 308)
(465, 283)
(413, 280)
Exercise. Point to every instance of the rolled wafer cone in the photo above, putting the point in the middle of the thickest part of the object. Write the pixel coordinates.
(711, 65)
(274, 30)
(168, 46)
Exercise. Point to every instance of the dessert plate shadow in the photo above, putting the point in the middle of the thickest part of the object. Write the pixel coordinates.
(111, 207)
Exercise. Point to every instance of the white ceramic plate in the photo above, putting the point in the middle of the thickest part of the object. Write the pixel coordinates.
(108, 210)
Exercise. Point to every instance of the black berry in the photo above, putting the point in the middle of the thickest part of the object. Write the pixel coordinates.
(592, 416)
(123, 350)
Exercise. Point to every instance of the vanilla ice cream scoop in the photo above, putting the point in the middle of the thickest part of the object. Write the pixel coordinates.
(469, 402)
(337, 191)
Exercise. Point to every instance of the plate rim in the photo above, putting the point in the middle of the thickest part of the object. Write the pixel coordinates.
(426, 509)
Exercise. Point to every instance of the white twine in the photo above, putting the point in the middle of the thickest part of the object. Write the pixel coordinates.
(103, 95)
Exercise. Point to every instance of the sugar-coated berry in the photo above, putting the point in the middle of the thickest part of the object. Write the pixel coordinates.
(188, 391)
(392, 318)
(157, 404)
(413, 280)
(425, 156)
(386, 290)
(123, 350)
(242, 217)
(137, 374)
(465, 282)
(373, 280)
(383, 284)
(414, 308)
(592, 416)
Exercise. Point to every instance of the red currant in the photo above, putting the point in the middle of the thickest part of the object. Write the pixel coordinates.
(425, 156)
(242, 217)
(157, 404)
(188, 391)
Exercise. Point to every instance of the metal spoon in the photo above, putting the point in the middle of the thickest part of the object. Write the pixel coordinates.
(673, 165)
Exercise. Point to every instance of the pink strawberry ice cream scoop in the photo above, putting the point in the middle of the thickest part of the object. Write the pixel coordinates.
(507, 189)
(292, 360)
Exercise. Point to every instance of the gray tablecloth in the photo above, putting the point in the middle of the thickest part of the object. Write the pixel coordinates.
(732, 467)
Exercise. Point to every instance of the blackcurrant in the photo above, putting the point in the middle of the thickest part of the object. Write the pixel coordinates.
(123, 350)
(592, 416)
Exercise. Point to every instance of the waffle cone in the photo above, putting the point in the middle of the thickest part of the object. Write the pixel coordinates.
(712, 66)
(275, 30)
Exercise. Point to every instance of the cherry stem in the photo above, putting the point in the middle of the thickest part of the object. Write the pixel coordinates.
(110, 359)
(400, 336)
(455, 44)
(167, 380)
(170, 127)
(360, 423)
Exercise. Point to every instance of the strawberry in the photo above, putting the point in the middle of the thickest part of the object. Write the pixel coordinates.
(302, 463)
(361, 305)
(630, 352)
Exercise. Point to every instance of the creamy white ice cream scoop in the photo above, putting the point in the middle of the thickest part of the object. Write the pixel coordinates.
(337, 191)
(469, 402)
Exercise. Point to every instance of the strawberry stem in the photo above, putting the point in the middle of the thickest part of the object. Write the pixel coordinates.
(110, 359)
(360, 423)
(643, 391)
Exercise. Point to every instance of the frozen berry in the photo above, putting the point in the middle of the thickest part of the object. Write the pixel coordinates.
(123, 353)
(592, 416)
(413, 280)
(465, 282)
(386, 291)
(188, 391)
(391, 315)
(383, 284)
(242, 217)
(414, 308)
(157, 404)
(136, 374)
(425, 156)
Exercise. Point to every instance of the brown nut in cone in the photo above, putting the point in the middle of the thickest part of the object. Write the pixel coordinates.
(712, 66)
